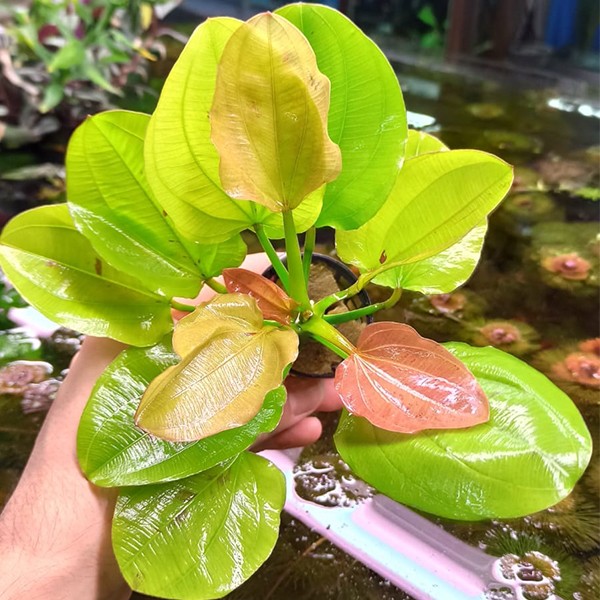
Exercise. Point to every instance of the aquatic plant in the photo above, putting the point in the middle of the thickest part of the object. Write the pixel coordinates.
(573, 523)
(520, 211)
(568, 266)
(565, 174)
(486, 110)
(575, 368)
(566, 256)
(72, 55)
(287, 122)
(526, 180)
(515, 337)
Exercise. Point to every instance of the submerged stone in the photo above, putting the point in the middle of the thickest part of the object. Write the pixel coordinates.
(564, 174)
(327, 480)
(38, 397)
(18, 375)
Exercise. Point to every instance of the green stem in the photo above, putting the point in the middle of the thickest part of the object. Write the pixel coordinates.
(101, 24)
(270, 251)
(322, 305)
(309, 247)
(328, 335)
(351, 315)
(213, 284)
(271, 323)
(297, 289)
(180, 306)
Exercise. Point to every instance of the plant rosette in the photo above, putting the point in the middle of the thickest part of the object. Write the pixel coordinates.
(287, 122)
(326, 276)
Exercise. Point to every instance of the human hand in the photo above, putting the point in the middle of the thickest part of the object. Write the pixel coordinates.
(55, 530)
(305, 396)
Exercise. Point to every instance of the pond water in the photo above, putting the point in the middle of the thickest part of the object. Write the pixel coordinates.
(535, 294)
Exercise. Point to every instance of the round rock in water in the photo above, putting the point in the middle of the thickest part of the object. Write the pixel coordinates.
(327, 480)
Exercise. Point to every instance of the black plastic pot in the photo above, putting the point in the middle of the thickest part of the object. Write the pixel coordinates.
(344, 278)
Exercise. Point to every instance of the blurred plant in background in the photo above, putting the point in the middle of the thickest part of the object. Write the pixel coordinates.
(72, 57)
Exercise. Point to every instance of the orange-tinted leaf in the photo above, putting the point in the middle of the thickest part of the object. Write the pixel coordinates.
(230, 361)
(403, 382)
(274, 303)
(269, 116)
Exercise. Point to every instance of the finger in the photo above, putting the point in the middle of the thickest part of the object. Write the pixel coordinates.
(331, 399)
(304, 396)
(306, 431)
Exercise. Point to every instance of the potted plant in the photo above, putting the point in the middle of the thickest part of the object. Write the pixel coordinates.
(69, 58)
(287, 122)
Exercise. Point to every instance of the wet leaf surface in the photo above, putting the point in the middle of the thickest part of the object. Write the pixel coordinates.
(403, 382)
(199, 537)
(230, 361)
(527, 457)
(113, 452)
(55, 268)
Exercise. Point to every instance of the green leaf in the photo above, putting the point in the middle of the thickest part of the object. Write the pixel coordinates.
(367, 118)
(53, 96)
(199, 537)
(95, 76)
(56, 270)
(230, 361)
(18, 344)
(269, 116)
(213, 258)
(113, 452)
(440, 273)
(443, 272)
(305, 215)
(182, 165)
(426, 15)
(419, 142)
(437, 199)
(112, 205)
(70, 55)
(527, 457)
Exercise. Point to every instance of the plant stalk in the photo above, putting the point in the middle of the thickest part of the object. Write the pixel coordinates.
(351, 315)
(270, 251)
(297, 289)
(328, 335)
(322, 305)
(215, 285)
(180, 306)
(309, 247)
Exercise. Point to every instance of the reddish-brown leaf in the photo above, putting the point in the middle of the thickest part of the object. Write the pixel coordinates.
(403, 382)
(273, 302)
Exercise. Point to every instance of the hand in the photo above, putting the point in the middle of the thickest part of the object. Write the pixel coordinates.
(55, 530)
(305, 396)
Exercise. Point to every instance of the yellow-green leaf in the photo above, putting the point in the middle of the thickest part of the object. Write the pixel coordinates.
(181, 163)
(419, 142)
(230, 361)
(269, 116)
(438, 198)
(55, 268)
